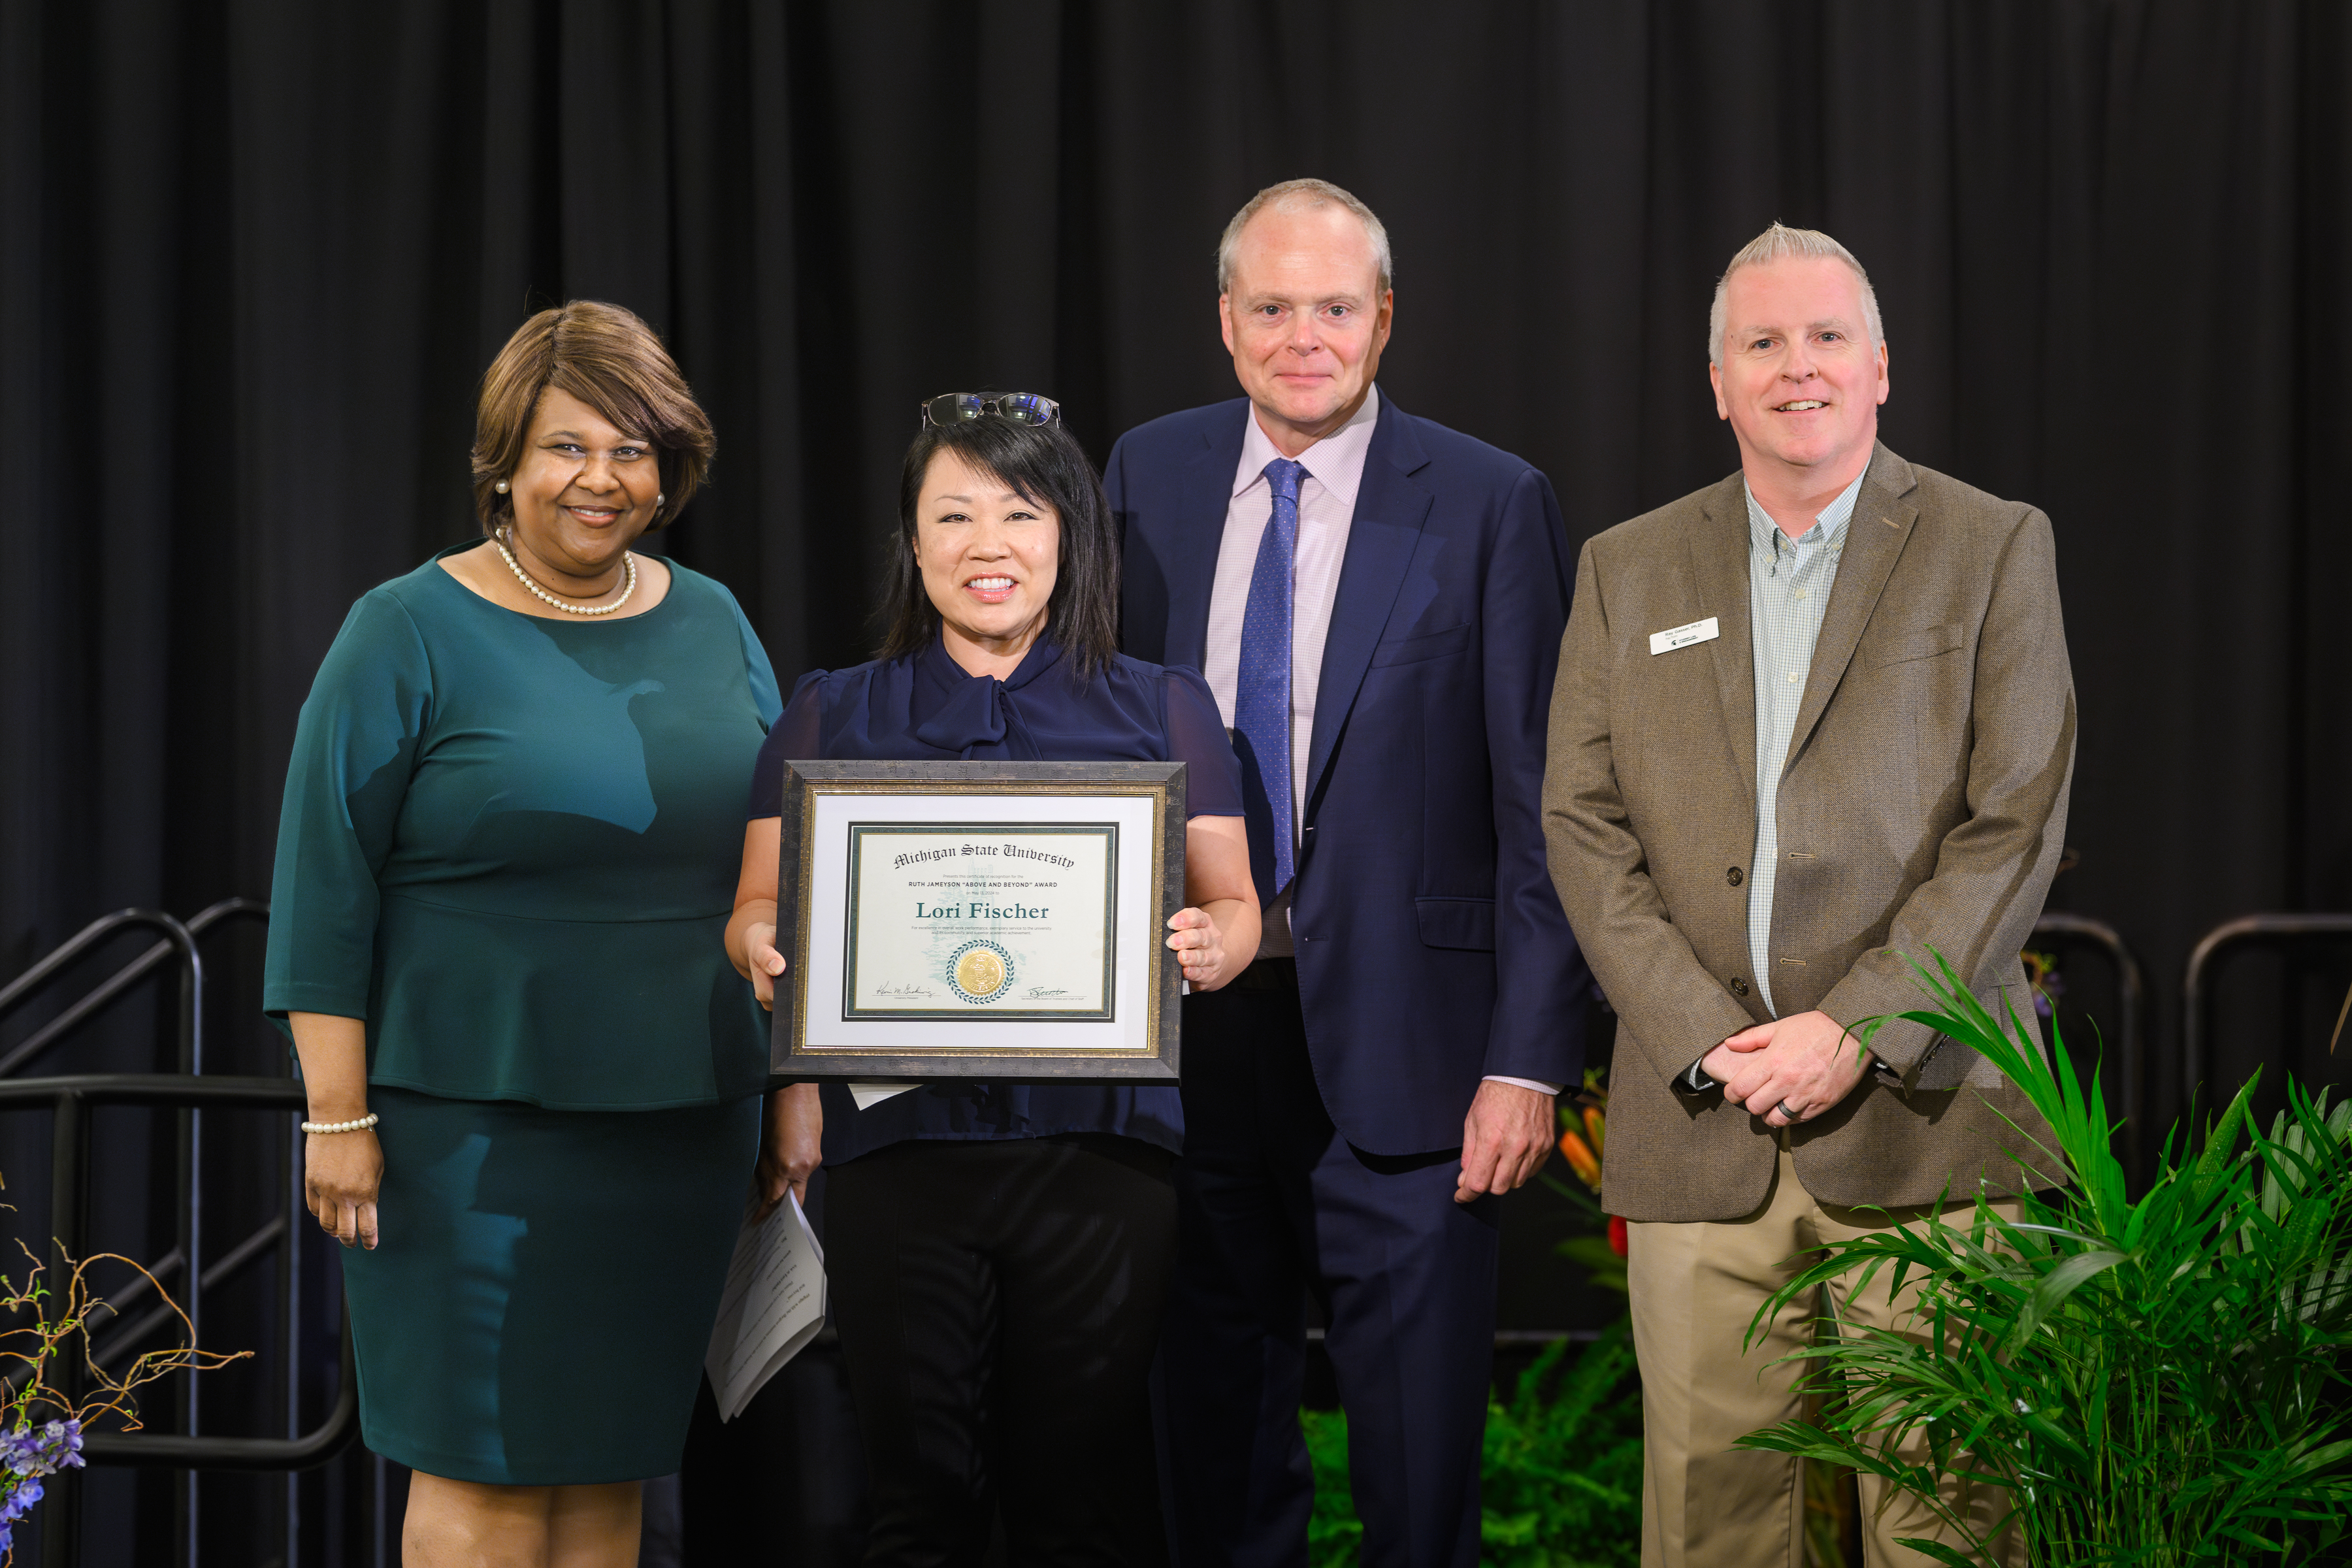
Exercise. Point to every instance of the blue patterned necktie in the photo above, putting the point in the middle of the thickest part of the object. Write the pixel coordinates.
(1262, 693)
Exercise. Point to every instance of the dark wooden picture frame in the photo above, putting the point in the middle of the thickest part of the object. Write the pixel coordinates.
(793, 1059)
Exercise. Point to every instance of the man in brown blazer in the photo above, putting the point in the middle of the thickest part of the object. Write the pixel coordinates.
(1872, 652)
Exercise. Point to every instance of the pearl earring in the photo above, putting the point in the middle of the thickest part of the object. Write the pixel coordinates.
(502, 487)
(661, 501)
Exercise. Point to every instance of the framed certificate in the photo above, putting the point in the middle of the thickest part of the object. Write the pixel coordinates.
(979, 920)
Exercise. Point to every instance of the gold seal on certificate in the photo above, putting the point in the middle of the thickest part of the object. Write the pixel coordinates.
(980, 972)
(967, 919)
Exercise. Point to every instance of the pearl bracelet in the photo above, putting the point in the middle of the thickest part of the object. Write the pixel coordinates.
(361, 1125)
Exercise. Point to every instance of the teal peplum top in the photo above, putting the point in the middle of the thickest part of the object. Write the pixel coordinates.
(510, 844)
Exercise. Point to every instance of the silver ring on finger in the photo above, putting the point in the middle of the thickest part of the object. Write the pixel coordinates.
(1783, 1108)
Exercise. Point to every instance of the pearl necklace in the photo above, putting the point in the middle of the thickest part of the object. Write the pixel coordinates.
(628, 562)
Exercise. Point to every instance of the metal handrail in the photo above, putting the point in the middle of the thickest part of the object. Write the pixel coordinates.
(2195, 1002)
(71, 1100)
(121, 980)
(180, 940)
(22, 989)
(2131, 993)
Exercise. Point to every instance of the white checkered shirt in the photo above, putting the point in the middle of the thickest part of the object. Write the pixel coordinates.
(1788, 590)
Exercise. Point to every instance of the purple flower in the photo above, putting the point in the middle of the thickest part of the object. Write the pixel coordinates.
(41, 1451)
(61, 1441)
(20, 1501)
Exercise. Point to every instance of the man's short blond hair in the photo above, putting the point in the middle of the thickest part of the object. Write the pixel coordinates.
(1298, 194)
(1778, 243)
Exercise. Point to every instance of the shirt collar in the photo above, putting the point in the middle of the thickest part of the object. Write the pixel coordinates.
(1336, 462)
(946, 675)
(1827, 526)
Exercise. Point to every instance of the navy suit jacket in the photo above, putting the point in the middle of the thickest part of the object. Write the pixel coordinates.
(1431, 948)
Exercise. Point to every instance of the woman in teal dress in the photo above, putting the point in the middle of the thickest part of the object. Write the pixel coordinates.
(506, 857)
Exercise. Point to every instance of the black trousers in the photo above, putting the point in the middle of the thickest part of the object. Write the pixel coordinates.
(997, 1305)
(1275, 1204)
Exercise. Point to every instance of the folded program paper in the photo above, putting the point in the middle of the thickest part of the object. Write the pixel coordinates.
(772, 1307)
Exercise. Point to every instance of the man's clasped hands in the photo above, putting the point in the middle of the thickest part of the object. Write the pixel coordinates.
(1789, 1069)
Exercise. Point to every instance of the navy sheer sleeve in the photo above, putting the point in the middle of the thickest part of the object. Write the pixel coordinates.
(1197, 738)
(794, 735)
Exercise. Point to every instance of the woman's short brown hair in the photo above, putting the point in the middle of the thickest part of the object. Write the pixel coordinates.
(608, 359)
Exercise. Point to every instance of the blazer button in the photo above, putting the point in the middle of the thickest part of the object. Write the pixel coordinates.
(1739, 986)
(1735, 876)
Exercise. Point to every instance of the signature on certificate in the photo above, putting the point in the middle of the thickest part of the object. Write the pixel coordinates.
(904, 988)
(1041, 992)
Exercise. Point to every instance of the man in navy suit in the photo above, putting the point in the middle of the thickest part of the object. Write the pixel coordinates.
(1377, 603)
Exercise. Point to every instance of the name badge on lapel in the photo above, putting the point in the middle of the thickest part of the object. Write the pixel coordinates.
(1682, 636)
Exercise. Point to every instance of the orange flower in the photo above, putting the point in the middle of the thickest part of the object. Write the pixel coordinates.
(1580, 1155)
(1596, 1126)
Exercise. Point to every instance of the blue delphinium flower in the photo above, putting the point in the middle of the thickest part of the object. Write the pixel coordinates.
(25, 1455)
(61, 1445)
(42, 1450)
(20, 1500)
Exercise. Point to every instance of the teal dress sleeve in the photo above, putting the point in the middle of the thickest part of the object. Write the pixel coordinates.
(354, 748)
(756, 668)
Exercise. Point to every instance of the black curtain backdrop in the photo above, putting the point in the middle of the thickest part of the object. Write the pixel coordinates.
(253, 257)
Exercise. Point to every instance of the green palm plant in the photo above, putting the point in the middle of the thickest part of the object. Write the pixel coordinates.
(2153, 1381)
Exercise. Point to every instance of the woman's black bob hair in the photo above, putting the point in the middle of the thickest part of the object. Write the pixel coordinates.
(1045, 464)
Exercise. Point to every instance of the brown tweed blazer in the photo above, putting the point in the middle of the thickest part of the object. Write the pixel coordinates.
(1922, 806)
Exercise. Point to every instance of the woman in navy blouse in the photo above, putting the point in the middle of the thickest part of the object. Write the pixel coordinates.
(998, 1252)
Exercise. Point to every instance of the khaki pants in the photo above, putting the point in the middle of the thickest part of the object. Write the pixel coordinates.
(1695, 1288)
